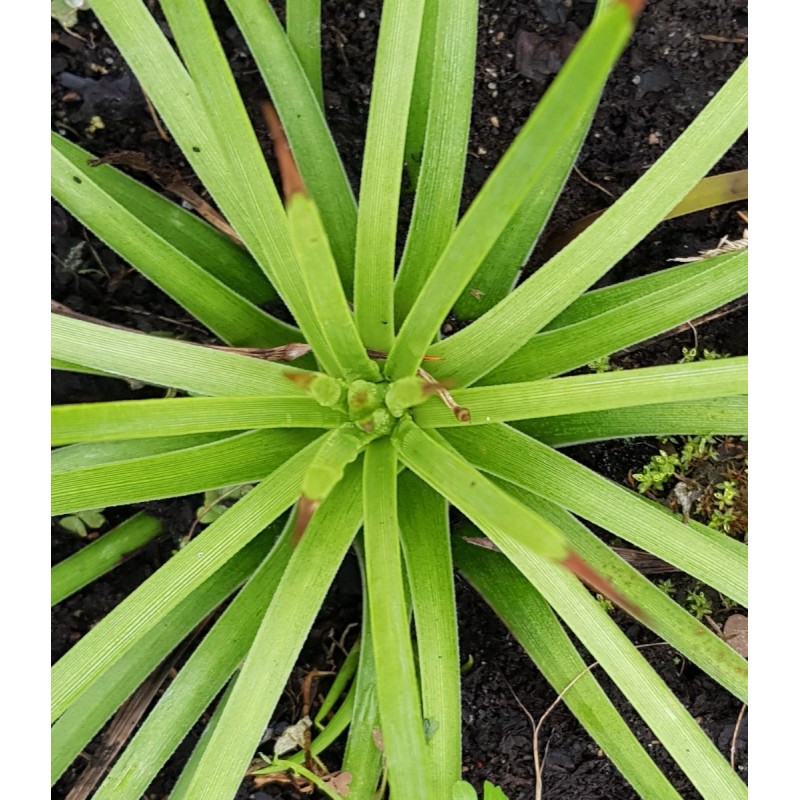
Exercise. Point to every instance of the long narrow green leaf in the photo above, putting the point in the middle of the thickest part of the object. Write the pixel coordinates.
(362, 758)
(533, 623)
(661, 710)
(425, 537)
(94, 454)
(244, 458)
(303, 30)
(407, 758)
(285, 625)
(667, 618)
(102, 555)
(205, 114)
(421, 92)
(184, 779)
(233, 318)
(447, 59)
(167, 362)
(598, 301)
(338, 687)
(186, 232)
(565, 348)
(198, 682)
(304, 122)
(479, 498)
(131, 419)
(724, 415)
(581, 393)
(577, 87)
(325, 291)
(57, 363)
(381, 175)
(120, 631)
(715, 190)
(207, 63)
(98, 701)
(498, 273)
(477, 349)
(712, 557)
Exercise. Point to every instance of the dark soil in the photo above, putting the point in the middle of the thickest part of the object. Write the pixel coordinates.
(663, 80)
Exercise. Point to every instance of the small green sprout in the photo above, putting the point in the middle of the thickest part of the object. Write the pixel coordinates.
(722, 520)
(464, 791)
(698, 604)
(698, 448)
(214, 505)
(667, 586)
(603, 364)
(710, 355)
(723, 516)
(605, 604)
(657, 471)
(690, 354)
(83, 522)
(728, 494)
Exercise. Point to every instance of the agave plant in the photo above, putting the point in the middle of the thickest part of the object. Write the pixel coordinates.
(379, 425)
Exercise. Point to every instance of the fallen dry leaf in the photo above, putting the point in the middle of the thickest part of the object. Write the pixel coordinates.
(293, 737)
(340, 782)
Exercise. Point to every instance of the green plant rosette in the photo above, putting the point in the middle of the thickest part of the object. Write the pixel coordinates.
(371, 450)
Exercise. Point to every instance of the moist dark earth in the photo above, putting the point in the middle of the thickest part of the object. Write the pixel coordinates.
(681, 54)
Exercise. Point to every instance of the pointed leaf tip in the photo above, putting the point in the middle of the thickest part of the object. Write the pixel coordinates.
(576, 565)
(305, 510)
(634, 6)
(290, 174)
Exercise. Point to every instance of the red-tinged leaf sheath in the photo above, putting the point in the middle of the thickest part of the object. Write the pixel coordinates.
(634, 6)
(305, 510)
(577, 566)
(290, 175)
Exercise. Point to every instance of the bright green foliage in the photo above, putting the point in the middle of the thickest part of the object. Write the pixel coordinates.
(698, 604)
(657, 471)
(463, 791)
(723, 515)
(81, 523)
(376, 450)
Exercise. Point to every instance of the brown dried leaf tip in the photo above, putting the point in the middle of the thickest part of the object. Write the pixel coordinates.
(576, 565)
(634, 6)
(290, 174)
(286, 352)
(305, 510)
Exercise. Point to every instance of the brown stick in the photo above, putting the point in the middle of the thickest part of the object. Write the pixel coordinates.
(735, 736)
(156, 121)
(171, 181)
